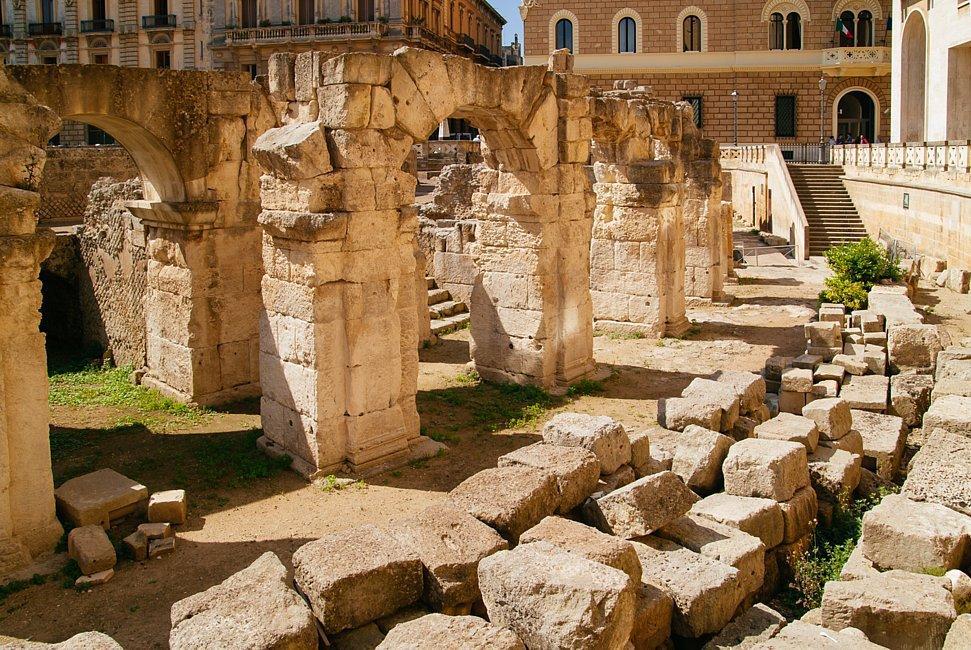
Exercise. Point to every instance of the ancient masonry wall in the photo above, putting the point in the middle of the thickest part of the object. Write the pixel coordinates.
(69, 174)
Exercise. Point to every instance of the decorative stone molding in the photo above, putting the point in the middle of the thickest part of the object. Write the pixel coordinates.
(679, 27)
(572, 17)
(525, 7)
(627, 12)
(856, 6)
(786, 7)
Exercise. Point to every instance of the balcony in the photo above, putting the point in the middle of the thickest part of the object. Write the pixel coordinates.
(305, 33)
(160, 21)
(97, 26)
(6, 31)
(44, 29)
(856, 61)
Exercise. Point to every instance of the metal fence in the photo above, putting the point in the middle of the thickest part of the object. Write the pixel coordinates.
(770, 255)
(806, 153)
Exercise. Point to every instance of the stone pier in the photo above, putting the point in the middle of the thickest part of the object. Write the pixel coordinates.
(704, 222)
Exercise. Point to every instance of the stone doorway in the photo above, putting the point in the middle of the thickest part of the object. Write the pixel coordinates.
(856, 116)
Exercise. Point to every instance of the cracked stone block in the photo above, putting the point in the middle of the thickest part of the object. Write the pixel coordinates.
(913, 536)
(653, 610)
(829, 372)
(90, 547)
(554, 599)
(437, 631)
(722, 395)
(790, 427)
(643, 506)
(799, 515)
(959, 636)
(510, 499)
(851, 442)
(356, 576)
(773, 469)
(832, 417)
(588, 542)
(365, 637)
(169, 506)
(759, 517)
(851, 364)
(749, 388)
(706, 592)
(951, 413)
(792, 401)
(884, 437)
(640, 452)
(100, 498)
(799, 635)
(797, 380)
(450, 544)
(676, 413)
(823, 389)
(610, 482)
(834, 473)
(896, 609)
(254, 608)
(83, 641)
(914, 347)
(857, 566)
(824, 334)
(941, 471)
(868, 392)
(758, 623)
(603, 436)
(576, 470)
(698, 458)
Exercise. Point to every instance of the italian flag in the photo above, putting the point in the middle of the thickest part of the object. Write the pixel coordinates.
(843, 29)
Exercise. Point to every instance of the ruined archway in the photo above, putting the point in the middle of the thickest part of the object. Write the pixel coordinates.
(339, 338)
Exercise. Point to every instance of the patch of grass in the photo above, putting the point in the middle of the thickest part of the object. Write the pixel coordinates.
(513, 406)
(468, 378)
(625, 336)
(69, 574)
(19, 585)
(831, 549)
(585, 387)
(236, 460)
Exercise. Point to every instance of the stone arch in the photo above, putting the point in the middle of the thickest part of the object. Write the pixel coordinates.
(336, 197)
(913, 78)
(626, 12)
(785, 7)
(572, 17)
(679, 25)
(856, 6)
(850, 85)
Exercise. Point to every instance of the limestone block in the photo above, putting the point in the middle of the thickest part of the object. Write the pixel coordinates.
(958, 280)
(884, 437)
(744, 427)
(158, 548)
(941, 471)
(698, 458)
(676, 413)
(875, 359)
(576, 470)
(824, 334)
(255, 608)
(293, 152)
(574, 537)
(510, 499)
(554, 599)
(356, 67)
(807, 362)
(868, 393)
(851, 442)
(857, 566)
(912, 536)
(344, 106)
(738, 549)
(868, 321)
(758, 623)
(749, 388)
(653, 610)
(356, 576)
(437, 631)
(799, 635)
(832, 417)
(951, 413)
(450, 544)
(930, 267)
(825, 354)
(878, 339)
(952, 363)
(834, 473)
(643, 506)
(910, 397)
(895, 609)
(794, 428)
(136, 546)
(706, 592)
(90, 547)
(156, 530)
(829, 371)
(603, 436)
(169, 506)
(724, 396)
(774, 367)
(367, 636)
(959, 635)
(914, 347)
(94, 580)
(853, 365)
(761, 518)
(798, 515)
(797, 380)
(610, 482)
(773, 469)
(792, 401)
(640, 452)
(822, 389)
(99, 498)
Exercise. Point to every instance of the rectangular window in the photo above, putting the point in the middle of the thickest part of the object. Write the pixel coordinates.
(100, 59)
(696, 101)
(163, 59)
(785, 116)
(96, 136)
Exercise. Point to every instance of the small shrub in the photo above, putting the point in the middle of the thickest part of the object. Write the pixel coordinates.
(846, 292)
(864, 261)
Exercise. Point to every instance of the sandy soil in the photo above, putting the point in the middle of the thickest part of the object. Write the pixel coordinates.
(233, 521)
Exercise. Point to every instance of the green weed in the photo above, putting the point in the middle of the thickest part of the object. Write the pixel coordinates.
(236, 460)
(625, 336)
(585, 387)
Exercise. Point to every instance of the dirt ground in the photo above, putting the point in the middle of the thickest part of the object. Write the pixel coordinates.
(242, 506)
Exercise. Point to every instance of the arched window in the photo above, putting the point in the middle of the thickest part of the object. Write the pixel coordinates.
(564, 35)
(846, 30)
(864, 29)
(627, 35)
(691, 34)
(793, 31)
(777, 39)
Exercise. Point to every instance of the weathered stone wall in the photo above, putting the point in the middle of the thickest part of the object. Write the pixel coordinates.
(703, 220)
(112, 247)
(70, 173)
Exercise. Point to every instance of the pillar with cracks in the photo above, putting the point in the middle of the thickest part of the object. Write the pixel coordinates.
(703, 218)
(28, 527)
(339, 335)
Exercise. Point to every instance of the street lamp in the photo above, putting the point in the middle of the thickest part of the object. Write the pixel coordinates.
(735, 110)
(822, 89)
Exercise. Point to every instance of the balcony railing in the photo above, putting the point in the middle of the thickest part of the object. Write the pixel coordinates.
(856, 60)
(6, 31)
(953, 155)
(95, 26)
(44, 29)
(162, 21)
(287, 33)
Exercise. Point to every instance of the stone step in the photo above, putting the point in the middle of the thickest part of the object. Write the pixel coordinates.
(449, 324)
(436, 296)
(447, 308)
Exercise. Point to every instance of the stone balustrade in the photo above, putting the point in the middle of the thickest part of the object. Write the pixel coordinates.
(952, 155)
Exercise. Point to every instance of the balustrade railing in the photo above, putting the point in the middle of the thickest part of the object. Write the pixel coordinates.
(321, 32)
(952, 155)
(96, 26)
(45, 29)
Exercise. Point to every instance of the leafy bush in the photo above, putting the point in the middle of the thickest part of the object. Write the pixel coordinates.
(864, 261)
(846, 292)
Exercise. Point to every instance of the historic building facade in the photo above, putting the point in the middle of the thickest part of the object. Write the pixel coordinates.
(756, 70)
(239, 34)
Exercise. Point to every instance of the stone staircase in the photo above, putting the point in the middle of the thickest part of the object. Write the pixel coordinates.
(830, 212)
(447, 315)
